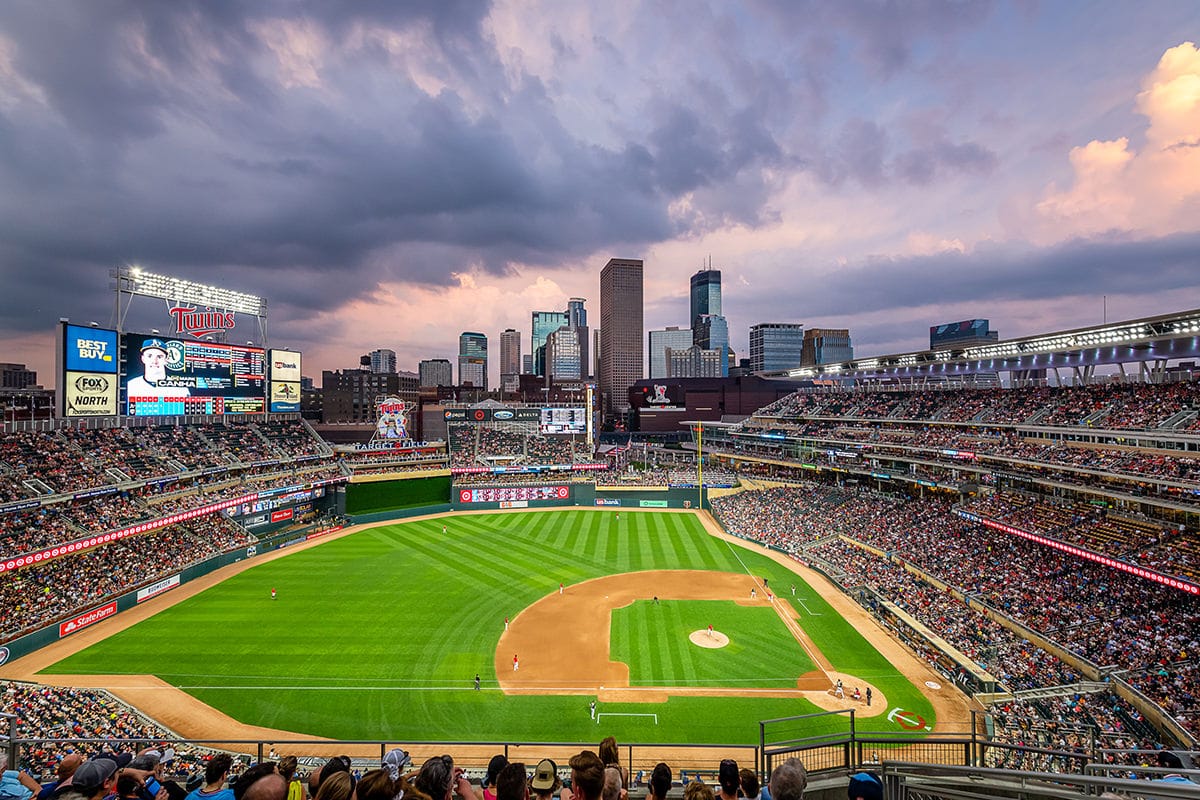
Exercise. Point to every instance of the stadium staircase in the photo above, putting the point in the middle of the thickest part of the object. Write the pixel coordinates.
(1180, 419)
(1065, 690)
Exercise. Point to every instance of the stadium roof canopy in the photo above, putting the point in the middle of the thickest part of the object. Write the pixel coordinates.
(1151, 340)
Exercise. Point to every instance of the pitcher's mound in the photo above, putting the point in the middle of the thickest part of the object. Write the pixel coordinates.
(705, 639)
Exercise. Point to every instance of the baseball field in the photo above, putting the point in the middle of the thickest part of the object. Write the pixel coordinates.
(379, 635)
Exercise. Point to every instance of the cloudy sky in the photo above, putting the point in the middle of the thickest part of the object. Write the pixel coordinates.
(389, 174)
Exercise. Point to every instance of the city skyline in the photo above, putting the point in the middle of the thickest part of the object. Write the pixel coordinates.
(378, 172)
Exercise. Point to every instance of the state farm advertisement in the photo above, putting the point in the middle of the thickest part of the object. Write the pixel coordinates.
(89, 618)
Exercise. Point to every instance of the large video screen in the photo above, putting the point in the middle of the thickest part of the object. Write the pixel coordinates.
(90, 349)
(564, 420)
(172, 377)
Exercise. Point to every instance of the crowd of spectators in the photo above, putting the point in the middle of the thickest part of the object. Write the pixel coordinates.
(1120, 406)
(488, 445)
(70, 460)
(34, 596)
(1105, 616)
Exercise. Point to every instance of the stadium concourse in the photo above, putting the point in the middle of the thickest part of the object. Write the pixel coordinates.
(1049, 534)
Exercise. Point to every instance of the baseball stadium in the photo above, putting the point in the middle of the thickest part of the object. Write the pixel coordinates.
(970, 587)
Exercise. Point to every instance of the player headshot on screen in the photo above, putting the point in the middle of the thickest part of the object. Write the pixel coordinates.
(154, 369)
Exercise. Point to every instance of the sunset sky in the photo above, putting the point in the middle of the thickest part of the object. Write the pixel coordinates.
(389, 174)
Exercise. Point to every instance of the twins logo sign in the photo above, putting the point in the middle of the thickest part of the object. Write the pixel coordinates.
(393, 423)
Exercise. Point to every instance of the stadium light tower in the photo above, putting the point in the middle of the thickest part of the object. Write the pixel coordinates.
(132, 281)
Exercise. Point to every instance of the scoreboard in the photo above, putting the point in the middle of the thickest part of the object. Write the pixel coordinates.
(173, 377)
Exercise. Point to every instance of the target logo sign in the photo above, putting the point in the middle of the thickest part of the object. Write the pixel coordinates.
(465, 496)
(563, 491)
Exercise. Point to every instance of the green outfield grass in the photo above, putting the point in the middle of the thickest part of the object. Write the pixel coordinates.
(379, 634)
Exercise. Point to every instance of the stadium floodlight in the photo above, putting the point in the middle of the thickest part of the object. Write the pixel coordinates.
(136, 280)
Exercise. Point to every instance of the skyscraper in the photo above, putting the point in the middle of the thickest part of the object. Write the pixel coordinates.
(577, 318)
(510, 359)
(563, 353)
(436, 372)
(620, 332)
(673, 337)
(543, 323)
(706, 297)
(383, 362)
(775, 346)
(472, 359)
(826, 346)
(711, 332)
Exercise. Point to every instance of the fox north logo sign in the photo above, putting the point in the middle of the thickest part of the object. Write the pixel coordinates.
(200, 323)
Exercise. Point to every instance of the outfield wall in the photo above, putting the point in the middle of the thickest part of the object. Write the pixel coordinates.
(419, 491)
(558, 494)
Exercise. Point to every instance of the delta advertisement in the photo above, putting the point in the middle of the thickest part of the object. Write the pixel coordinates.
(90, 394)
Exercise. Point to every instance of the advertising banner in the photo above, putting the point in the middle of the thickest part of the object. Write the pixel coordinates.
(90, 349)
(285, 397)
(90, 394)
(89, 618)
(507, 494)
(285, 365)
(165, 585)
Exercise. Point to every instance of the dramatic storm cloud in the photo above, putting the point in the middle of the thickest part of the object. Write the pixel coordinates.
(389, 174)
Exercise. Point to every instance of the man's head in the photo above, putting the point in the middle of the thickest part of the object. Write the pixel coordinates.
(788, 780)
(698, 790)
(864, 786)
(95, 778)
(660, 780)
(154, 360)
(252, 776)
(749, 782)
(545, 781)
(727, 776)
(218, 768)
(271, 786)
(613, 789)
(587, 775)
(511, 784)
(66, 768)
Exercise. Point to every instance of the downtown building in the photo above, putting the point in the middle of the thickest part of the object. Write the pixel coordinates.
(776, 346)
(510, 360)
(674, 338)
(472, 359)
(436, 372)
(621, 332)
(826, 346)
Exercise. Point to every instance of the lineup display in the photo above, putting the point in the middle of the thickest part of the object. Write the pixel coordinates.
(563, 420)
(170, 377)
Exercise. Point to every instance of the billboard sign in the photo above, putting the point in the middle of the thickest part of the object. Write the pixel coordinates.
(391, 419)
(474, 415)
(172, 377)
(90, 394)
(563, 420)
(285, 397)
(90, 349)
(285, 365)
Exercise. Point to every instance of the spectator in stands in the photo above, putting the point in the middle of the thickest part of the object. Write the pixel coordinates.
(749, 782)
(440, 779)
(94, 779)
(16, 784)
(338, 786)
(728, 779)
(488, 785)
(788, 781)
(587, 777)
(260, 782)
(511, 783)
(215, 773)
(63, 772)
(698, 790)
(864, 786)
(545, 782)
(613, 785)
(660, 782)
(287, 770)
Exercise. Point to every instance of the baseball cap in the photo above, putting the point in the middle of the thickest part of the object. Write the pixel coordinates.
(866, 786)
(154, 344)
(91, 775)
(147, 760)
(497, 763)
(545, 776)
(395, 761)
(120, 759)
